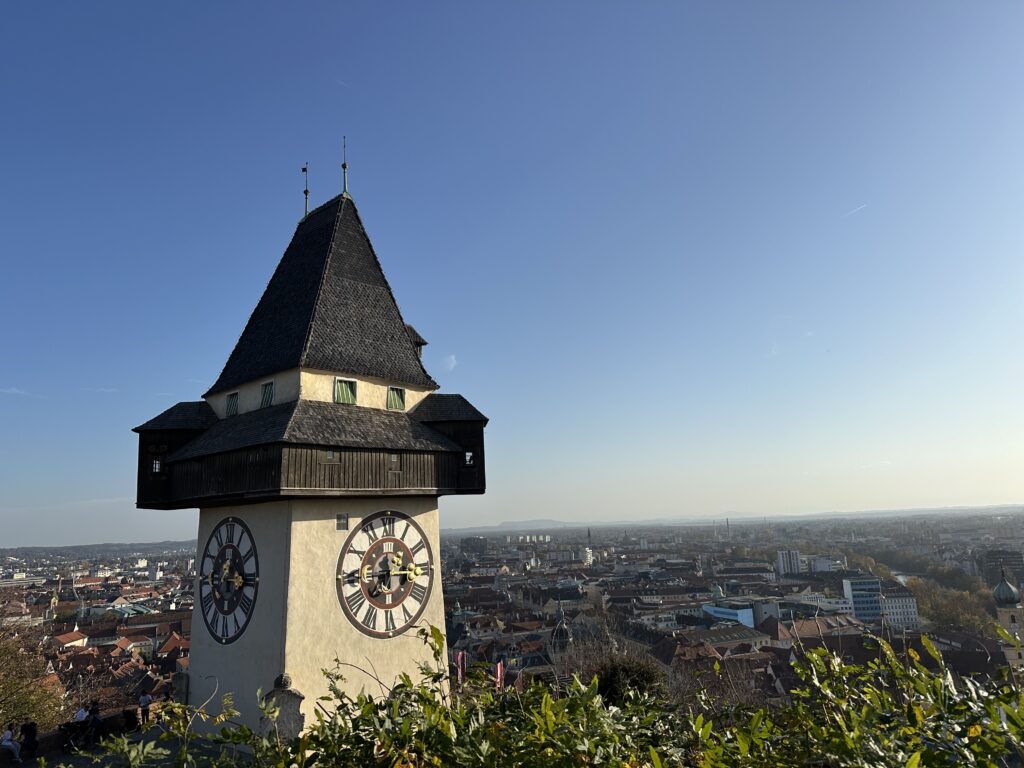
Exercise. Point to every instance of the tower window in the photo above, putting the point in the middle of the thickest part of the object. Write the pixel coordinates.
(345, 391)
(267, 398)
(232, 406)
(470, 459)
(158, 466)
(396, 399)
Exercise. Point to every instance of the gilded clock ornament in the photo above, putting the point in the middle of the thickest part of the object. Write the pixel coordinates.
(385, 574)
(229, 580)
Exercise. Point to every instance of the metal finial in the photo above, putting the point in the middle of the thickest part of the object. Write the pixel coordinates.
(305, 192)
(344, 166)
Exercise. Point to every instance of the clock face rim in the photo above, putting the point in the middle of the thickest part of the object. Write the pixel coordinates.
(340, 575)
(221, 639)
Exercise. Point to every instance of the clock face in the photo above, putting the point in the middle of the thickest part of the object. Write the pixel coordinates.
(229, 578)
(385, 572)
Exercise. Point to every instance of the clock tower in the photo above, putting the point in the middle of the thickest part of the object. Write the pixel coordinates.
(316, 460)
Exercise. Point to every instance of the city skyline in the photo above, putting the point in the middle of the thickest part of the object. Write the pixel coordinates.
(691, 261)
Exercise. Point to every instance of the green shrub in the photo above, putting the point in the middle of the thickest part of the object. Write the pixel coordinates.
(892, 712)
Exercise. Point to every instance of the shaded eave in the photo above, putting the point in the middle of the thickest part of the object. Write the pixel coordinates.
(308, 422)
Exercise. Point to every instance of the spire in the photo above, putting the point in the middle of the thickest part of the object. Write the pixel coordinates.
(344, 168)
(305, 178)
(327, 307)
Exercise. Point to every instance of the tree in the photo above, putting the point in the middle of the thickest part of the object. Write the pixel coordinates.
(27, 691)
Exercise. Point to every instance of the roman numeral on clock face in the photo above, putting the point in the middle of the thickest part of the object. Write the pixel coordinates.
(388, 524)
(355, 601)
(229, 531)
(371, 534)
(245, 603)
(418, 548)
(389, 621)
(418, 593)
(370, 617)
(207, 601)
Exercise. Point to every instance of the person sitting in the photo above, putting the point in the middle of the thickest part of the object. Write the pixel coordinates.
(29, 740)
(95, 724)
(8, 743)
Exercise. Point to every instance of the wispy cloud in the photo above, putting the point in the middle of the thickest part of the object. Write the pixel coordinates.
(450, 362)
(858, 209)
(14, 391)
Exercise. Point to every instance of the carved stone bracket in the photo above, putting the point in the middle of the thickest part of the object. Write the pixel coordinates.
(288, 702)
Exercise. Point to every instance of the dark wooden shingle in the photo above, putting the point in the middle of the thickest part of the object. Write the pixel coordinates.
(328, 307)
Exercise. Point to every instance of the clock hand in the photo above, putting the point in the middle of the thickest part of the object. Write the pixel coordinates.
(413, 572)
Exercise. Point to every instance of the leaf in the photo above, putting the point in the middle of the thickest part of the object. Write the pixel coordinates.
(914, 760)
(655, 760)
(930, 647)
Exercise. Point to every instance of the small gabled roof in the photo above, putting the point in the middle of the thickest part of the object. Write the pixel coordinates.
(327, 307)
(435, 407)
(414, 336)
(311, 422)
(190, 415)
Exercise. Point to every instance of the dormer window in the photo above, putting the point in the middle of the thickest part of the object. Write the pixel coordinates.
(267, 396)
(396, 399)
(232, 406)
(345, 391)
(158, 466)
(470, 459)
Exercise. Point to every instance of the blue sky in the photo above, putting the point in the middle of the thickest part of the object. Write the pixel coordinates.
(690, 258)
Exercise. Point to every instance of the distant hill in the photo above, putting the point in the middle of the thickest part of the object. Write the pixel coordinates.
(92, 551)
(739, 518)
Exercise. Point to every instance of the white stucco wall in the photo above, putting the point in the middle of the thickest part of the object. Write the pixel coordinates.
(370, 392)
(286, 389)
(254, 659)
(297, 625)
(318, 631)
(311, 385)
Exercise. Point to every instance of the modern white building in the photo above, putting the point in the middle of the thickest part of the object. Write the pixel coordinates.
(787, 562)
(899, 610)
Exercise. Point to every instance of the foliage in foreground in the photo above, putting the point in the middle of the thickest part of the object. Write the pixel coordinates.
(26, 690)
(892, 712)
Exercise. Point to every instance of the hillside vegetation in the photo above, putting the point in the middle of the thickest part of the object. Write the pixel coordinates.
(892, 712)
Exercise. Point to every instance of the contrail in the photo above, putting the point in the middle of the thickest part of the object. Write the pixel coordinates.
(855, 210)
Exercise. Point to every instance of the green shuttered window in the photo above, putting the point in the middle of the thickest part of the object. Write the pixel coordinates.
(345, 391)
(268, 395)
(233, 404)
(396, 399)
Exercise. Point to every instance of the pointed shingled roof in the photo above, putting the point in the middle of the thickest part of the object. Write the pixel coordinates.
(328, 307)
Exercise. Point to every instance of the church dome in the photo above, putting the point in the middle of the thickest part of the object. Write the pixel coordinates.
(1005, 594)
(561, 635)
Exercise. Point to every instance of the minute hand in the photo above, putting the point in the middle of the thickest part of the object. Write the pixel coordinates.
(412, 572)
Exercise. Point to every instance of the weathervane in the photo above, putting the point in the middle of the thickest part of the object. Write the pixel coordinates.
(344, 167)
(305, 178)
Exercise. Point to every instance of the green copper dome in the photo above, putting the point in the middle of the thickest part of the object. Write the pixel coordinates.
(1005, 594)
